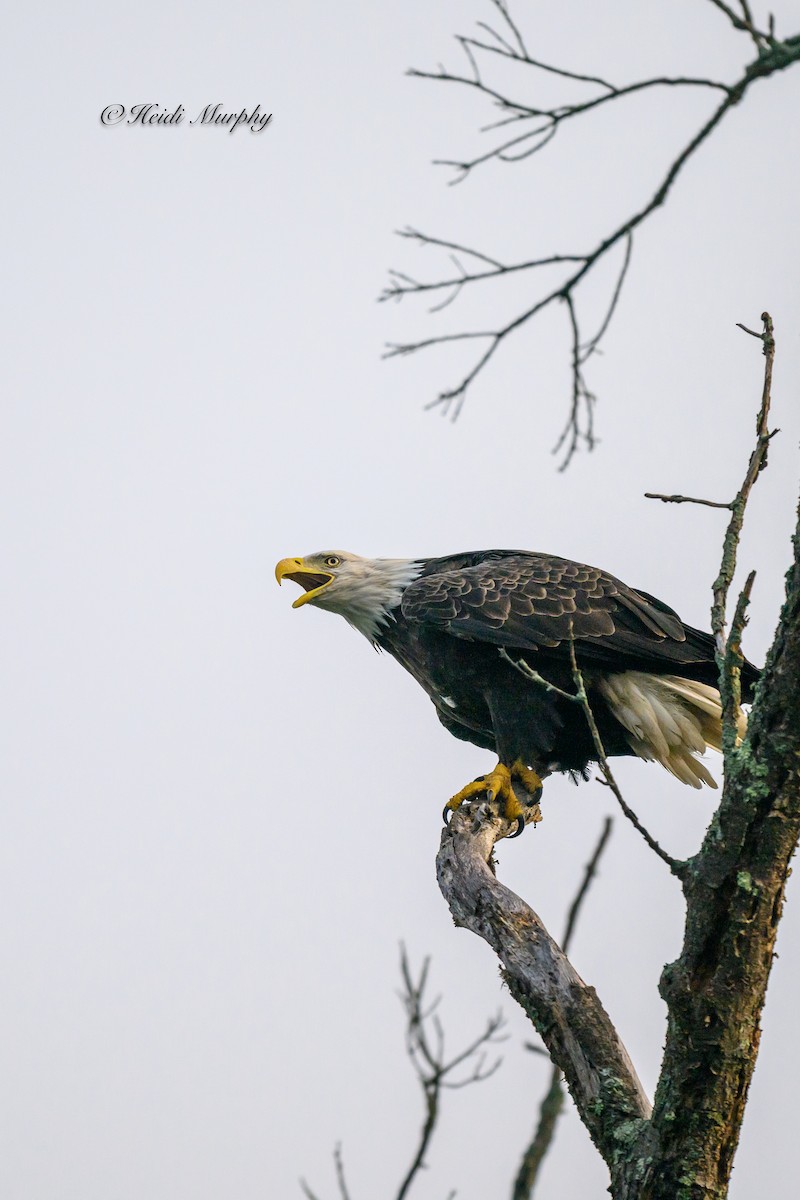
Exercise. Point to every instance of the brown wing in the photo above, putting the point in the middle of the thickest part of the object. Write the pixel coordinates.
(536, 601)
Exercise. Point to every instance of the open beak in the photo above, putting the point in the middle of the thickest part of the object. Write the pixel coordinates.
(296, 570)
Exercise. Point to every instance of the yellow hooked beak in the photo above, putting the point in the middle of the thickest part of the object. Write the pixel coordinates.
(296, 570)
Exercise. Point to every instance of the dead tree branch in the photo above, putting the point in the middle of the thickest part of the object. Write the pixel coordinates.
(744, 23)
(684, 500)
(728, 652)
(734, 892)
(549, 1111)
(566, 1012)
(553, 1101)
(527, 130)
(579, 696)
(425, 1047)
(757, 463)
(733, 888)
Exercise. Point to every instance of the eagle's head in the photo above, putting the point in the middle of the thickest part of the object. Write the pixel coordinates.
(364, 590)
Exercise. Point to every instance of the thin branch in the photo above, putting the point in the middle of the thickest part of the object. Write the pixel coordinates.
(729, 658)
(544, 122)
(589, 348)
(433, 1070)
(757, 463)
(425, 240)
(549, 1112)
(734, 660)
(502, 8)
(745, 23)
(589, 873)
(552, 118)
(574, 435)
(527, 61)
(519, 664)
(677, 868)
(580, 424)
(758, 39)
(405, 285)
(340, 1178)
(425, 1046)
(685, 500)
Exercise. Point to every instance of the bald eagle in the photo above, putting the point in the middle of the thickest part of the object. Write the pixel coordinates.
(490, 636)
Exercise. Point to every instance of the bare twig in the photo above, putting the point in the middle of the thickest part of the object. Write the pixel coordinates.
(731, 691)
(451, 401)
(758, 461)
(401, 284)
(425, 1047)
(676, 867)
(546, 121)
(685, 500)
(528, 130)
(549, 1112)
(502, 8)
(588, 348)
(340, 1179)
(589, 873)
(553, 1101)
(578, 430)
(745, 23)
(729, 660)
(523, 667)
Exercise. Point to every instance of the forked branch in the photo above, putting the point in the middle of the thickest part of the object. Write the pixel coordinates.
(522, 130)
(568, 1015)
(435, 1071)
(425, 1044)
(580, 697)
(715, 991)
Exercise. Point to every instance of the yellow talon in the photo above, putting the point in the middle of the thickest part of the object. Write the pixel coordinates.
(497, 785)
(529, 779)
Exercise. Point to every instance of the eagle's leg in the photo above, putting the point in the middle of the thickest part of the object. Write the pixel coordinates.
(530, 780)
(498, 785)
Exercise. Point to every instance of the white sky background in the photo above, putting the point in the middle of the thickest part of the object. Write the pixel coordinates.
(220, 816)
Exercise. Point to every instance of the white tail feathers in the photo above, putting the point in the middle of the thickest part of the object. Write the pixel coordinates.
(669, 720)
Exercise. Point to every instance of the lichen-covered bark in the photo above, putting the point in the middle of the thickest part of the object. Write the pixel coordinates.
(734, 894)
(566, 1012)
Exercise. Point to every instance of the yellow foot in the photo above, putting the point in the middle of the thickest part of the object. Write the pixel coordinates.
(498, 785)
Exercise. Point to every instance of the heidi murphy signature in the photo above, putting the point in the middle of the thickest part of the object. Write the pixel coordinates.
(212, 114)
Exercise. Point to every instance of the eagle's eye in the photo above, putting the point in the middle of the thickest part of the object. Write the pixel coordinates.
(332, 561)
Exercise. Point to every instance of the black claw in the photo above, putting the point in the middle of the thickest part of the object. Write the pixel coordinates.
(490, 795)
(536, 797)
(520, 827)
(447, 813)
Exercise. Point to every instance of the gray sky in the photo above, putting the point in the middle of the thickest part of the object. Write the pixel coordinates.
(220, 815)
